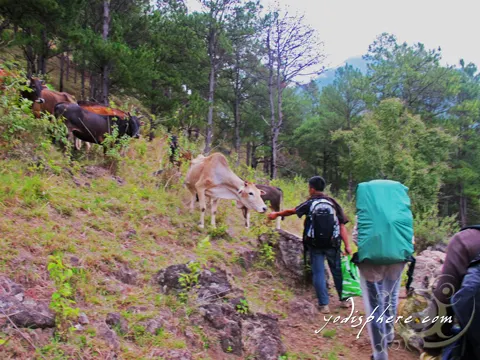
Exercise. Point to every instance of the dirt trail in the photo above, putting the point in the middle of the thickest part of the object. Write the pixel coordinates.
(335, 341)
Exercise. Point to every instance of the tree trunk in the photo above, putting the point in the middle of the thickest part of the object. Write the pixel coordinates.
(30, 56)
(211, 94)
(62, 65)
(42, 57)
(278, 125)
(92, 86)
(273, 132)
(249, 153)
(266, 165)
(272, 122)
(350, 175)
(236, 106)
(75, 74)
(83, 81)
(105, 76)
(67, 73)
(106, 67)
(237, 128)
(463, 208)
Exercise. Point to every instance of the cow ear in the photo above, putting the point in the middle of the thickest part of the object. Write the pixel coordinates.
(262, 192)
(246, 183)
(142, 123)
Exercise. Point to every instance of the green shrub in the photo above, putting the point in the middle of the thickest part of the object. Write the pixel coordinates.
(430, 229)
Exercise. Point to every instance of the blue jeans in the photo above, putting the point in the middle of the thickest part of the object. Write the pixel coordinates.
(317, 262)
(381, 300)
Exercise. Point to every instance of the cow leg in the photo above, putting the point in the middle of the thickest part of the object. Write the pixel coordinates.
(203, 206)
(278, 223)
(192, 202)
(193, 198)
(78, 144)
(244, 212)
(213, 205)
(247, 218)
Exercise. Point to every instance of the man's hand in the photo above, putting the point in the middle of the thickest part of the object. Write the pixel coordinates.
(272, 216)
(348, 250)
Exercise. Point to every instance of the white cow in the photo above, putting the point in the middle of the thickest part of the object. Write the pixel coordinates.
(212, 177)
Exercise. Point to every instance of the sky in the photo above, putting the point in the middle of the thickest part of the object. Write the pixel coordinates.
(347, 27)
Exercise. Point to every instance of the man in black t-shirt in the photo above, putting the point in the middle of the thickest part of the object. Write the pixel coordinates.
(316, 186)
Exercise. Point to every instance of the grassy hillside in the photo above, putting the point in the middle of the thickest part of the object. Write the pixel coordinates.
(87, 234)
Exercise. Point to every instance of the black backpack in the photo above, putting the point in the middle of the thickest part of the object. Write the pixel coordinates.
(324, 229)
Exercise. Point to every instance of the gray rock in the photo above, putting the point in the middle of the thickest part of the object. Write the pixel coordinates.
(289, 249)
(442, 247)
(262, 337)
(427, 268)
(110, 336)
(168, 278)
(83, 319)
(218, 315)
(27, 313)
(115, 320)
(213, 284)
(231, 338)
(126, 275)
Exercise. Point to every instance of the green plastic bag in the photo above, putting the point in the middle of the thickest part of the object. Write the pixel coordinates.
(351, 278)
(385, 222)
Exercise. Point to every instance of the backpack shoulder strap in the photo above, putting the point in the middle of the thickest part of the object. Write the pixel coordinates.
(476, 227)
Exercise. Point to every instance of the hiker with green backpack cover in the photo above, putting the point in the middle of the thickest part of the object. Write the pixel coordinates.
(324, 230)
(384, 236)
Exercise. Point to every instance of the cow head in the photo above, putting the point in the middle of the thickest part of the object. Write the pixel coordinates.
(35, 92)
(250, 197)
(134, 125)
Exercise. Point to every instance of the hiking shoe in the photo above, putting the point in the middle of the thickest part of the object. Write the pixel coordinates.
(345, 304)
(324, 309)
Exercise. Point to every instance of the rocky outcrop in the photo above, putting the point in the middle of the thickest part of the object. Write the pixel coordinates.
(427, 268)
(289, 250)
(210, 284)
(23, 311)
(240, 332)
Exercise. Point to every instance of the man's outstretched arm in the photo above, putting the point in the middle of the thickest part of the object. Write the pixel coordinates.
(344, 236)
(288, 212)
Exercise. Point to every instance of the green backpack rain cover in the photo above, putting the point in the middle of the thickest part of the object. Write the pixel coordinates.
(384, 222)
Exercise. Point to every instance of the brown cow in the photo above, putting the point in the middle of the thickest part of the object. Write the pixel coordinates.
(91, 127)
(50, 98)
(212, 177)
(103, 110)
(272, 194)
